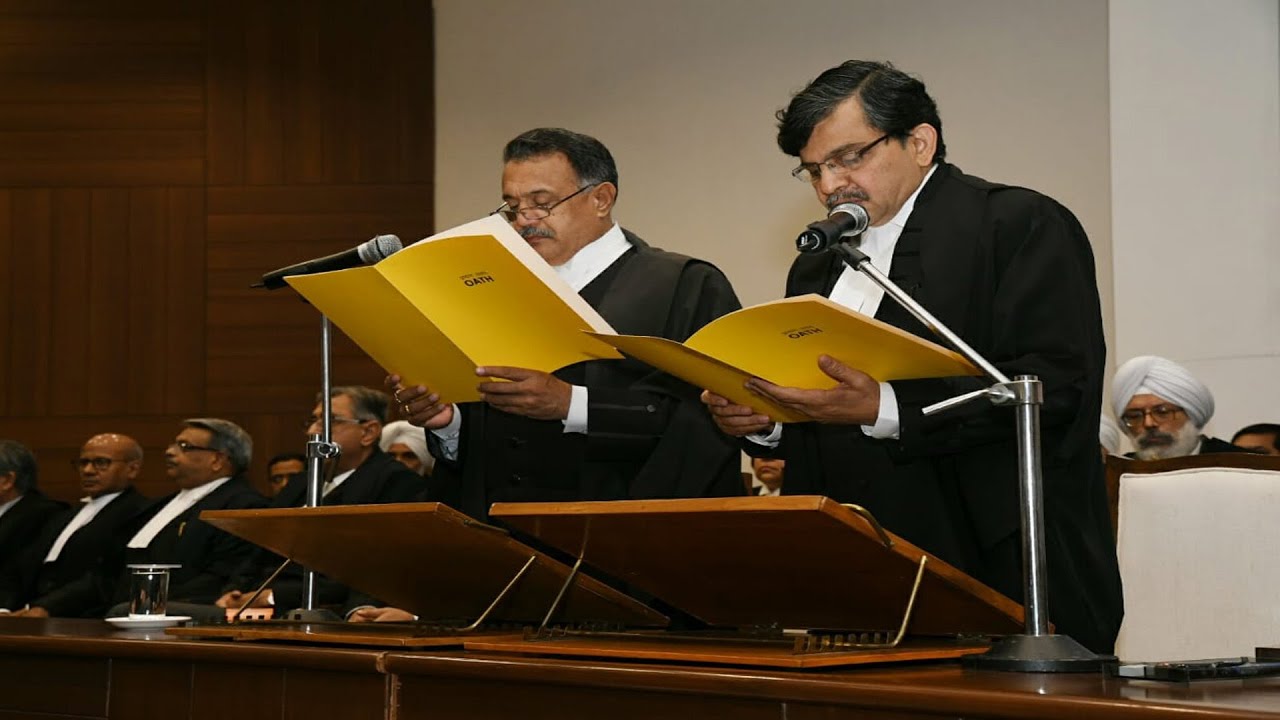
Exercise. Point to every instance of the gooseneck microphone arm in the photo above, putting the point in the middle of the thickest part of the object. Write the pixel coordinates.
(1036, 650)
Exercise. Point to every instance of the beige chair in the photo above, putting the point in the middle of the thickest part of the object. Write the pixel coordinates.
(1199, 546)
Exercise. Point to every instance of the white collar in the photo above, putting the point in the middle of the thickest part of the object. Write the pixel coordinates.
(335, 482)
(594, 258)
(11, 503)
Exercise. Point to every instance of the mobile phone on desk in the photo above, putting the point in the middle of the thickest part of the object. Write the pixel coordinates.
(1212, 669)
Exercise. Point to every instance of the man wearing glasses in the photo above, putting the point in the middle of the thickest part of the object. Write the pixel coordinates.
(207, 461)
(1163, 408)
(74, 543)
(1012, 272)
(594, 431)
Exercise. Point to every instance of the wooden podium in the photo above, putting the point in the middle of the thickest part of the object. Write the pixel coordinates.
(459, 575)
(796, 581)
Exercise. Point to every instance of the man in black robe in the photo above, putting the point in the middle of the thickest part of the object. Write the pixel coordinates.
(76, 542)
(1012, 272)
(602, 430)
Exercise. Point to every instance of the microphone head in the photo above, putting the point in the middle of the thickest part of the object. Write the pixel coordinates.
(381, 246)
(859, 214)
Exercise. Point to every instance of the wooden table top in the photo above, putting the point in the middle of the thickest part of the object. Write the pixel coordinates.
(930, 687)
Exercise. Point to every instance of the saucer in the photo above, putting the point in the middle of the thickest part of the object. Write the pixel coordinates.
(148, 623)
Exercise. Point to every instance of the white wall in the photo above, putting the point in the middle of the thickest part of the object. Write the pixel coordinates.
(684, 92)
(1195, 168)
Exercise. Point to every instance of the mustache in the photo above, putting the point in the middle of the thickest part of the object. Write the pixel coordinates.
(534, 231)
(1155, 437)
(845, 196)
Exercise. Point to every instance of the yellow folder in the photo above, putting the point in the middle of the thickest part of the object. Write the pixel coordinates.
(780, 341)
(474, 295)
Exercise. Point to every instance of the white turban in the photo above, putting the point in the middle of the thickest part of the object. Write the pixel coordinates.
(1109, 435)
(1167, 380)
(414, 438)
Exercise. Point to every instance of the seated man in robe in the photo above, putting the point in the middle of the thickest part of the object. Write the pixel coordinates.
(1163, 409)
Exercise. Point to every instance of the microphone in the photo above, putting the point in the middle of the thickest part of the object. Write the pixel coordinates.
(844, 220)
(366, 253)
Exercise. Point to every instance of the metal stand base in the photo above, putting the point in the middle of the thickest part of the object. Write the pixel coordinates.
(312, 615)
(1039, 653)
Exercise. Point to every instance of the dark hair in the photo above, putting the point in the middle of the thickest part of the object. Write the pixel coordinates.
(590, 159)
(893, 101)
(17, 459)
(227, 437)
(1271, 429)
(366, 403)
(283, 457)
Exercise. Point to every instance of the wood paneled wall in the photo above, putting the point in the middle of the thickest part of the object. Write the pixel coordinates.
(155, 159)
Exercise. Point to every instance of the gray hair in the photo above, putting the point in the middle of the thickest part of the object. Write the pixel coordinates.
(17, 459)
(227, 437)
(366, 403)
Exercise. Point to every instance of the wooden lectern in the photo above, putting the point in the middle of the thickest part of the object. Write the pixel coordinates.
(459, 575)
(793, 581)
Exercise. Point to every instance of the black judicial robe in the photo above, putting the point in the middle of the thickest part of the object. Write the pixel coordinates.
(51, 585)
(649, 435)
(1012, 272)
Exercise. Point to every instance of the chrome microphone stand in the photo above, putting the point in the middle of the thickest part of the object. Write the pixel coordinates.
(1036, 650)
(320, 447)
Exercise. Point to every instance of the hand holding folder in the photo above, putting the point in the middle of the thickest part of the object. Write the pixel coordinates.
(781, 341)
(476, 295)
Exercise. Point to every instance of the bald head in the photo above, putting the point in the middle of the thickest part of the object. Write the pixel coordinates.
(109, 463)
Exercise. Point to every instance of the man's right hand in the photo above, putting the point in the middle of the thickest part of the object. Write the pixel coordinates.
(419, 405)
(732, 419)
(381, 614)
(235, 599)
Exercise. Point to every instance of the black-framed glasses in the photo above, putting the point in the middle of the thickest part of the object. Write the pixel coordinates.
(98, 463)
(1160, 413)
(841, 162)
(538, 212)
(336, 420)
(186, 447)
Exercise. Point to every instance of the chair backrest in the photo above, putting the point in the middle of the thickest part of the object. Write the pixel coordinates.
(1117, 466)
(1199, 551)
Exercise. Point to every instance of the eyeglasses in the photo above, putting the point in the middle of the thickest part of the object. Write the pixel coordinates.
(840, 163)
(98, 463)
(1160, 413)
(186, 447)
(537, 212)
(316, 420)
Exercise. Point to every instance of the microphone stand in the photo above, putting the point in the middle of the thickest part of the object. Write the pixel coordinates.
(1036, 650)
(320, 447)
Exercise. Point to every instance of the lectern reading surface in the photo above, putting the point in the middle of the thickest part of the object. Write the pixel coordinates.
(754, 564)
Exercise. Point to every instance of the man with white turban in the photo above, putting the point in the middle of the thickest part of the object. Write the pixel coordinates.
(408, 444)
(1162, 408)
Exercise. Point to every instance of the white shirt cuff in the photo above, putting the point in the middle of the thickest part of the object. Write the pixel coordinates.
(769, 439)
(888, 425)
(449, 434)
(576, 421)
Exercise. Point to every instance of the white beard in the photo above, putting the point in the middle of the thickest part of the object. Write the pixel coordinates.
(1185, 442)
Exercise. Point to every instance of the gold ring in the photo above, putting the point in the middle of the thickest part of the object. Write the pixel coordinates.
(404, 409)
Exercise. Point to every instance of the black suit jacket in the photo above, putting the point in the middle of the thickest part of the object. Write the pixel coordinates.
(208, 555)
(52, 585)
(19, 527)
(1012, 272)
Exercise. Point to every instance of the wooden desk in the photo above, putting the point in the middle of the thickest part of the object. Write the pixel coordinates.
(82, 668)
(86, 668)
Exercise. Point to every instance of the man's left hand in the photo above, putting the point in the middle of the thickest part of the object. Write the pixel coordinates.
(855, 401)
(529, 393)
